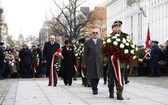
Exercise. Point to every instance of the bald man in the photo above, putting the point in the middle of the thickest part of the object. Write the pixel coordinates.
(50, 48)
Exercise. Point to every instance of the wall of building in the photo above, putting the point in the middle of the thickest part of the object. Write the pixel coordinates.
(137, 17)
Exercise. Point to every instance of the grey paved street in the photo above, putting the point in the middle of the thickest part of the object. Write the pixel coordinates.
(34, 91)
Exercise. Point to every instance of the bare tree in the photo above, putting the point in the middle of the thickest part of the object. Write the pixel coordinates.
(70, 21)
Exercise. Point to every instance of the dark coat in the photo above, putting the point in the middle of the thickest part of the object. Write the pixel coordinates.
(67, 63)
(166, 54)
(39, 52)
(48, 52)
(26, 57)
(2, 56)
(154, 56)
(92, 58)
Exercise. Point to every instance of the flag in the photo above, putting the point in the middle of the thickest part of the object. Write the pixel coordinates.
(147, 42)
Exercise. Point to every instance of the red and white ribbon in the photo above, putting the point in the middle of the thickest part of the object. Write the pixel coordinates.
(117, 70)
(53, 71)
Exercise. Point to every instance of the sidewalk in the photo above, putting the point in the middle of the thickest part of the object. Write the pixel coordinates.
(35, 91)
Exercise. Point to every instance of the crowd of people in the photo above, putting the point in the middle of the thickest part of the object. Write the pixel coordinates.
(38, 62)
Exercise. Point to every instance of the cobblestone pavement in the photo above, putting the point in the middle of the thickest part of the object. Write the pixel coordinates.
(156, 81)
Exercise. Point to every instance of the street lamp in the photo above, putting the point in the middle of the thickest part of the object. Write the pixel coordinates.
(1, 11)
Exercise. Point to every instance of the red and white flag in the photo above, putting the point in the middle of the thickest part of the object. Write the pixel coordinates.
(147, 42)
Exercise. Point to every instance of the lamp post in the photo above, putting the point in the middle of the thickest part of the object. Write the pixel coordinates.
(1, 11)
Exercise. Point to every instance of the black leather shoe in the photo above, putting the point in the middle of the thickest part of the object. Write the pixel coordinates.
(49, 84)
(126, 82)
(89, 85)
(111, 95)
(95, 92)
(119, 97)
(55, 85)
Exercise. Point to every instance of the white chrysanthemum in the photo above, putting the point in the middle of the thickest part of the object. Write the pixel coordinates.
(114, 37)
(76, 54)
(133, 46)
(132, 51)
(126, 51)
(118, 40)
(134, 57)
(104, 42)
(117, 34)
(133, 42)
(124, 40)
(108, 40)
(127, 44)
(128, 40)
(128, 37)
(136, 49)
(108, 36)
(115, 43)
(122, 45)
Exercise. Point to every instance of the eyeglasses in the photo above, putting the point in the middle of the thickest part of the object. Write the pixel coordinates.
(94, 32)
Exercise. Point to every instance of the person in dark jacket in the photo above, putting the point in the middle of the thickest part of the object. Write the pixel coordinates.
(67, 70)
(166, 56)
(50, 48)
(26, 59)
(2, 63)
(154, 59)
(39, 67)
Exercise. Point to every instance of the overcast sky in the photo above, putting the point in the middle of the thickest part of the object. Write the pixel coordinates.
(27, 16)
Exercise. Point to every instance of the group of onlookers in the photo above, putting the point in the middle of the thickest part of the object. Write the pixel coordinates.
(150, 61)
(24, 62)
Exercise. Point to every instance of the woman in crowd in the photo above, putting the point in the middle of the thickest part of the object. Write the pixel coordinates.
(67, 70)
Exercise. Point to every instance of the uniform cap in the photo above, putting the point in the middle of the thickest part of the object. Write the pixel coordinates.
(154, 41)
(116, 24)
(118, 21)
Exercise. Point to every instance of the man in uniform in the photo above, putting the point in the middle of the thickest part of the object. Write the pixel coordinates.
(154, 59)
(112, 81)
(125, 34)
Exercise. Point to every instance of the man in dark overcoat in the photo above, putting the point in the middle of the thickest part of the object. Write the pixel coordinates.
(154, 59)
(2, 63)
(92, 59)
(50, 48)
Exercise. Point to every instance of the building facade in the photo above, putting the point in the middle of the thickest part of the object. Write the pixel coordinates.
(139, 15)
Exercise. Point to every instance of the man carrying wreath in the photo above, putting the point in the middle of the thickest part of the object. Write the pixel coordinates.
(114, 77)
(49, 50)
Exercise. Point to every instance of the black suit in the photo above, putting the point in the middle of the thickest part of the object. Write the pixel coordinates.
(48, 52)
